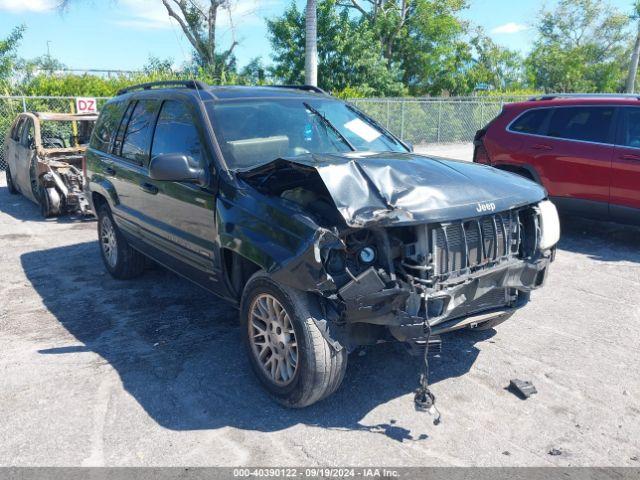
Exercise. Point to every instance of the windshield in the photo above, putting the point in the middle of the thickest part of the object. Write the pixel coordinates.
(255, 132)
(65, 133)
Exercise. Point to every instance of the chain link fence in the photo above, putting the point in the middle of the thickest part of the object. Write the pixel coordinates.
(434, 120)
(418, 121)
(12, 106)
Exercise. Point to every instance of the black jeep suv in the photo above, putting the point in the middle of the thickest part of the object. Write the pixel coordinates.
(323, 227)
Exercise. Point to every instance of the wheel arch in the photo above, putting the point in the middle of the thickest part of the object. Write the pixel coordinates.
(102, 190)
(526, 171)
(238, 269)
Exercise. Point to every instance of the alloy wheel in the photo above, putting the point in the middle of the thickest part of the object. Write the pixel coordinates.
(273, 339)
(108, 241)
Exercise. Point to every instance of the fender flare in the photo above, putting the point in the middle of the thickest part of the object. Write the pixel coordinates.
(102, 186)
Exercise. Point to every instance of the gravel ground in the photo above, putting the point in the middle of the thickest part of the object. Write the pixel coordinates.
(150, 372)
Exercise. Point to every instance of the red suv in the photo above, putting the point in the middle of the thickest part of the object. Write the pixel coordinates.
(585, 150)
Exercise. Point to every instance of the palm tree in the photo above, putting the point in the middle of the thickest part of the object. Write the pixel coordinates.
(311, 45)
(633, 68)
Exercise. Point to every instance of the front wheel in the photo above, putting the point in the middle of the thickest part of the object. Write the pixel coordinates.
(287, 350)
(121, 261)
(50, 202)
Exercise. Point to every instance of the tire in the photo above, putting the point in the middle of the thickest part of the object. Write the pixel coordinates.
(49, 207)
(120, 260)
(319, 369)
(494, 322)
(10, 185)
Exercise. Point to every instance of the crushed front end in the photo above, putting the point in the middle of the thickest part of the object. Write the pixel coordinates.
(60, 173)
(438, 277)
(411, 245)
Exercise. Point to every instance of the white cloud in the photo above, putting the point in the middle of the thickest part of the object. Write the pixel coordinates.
(28, 5)
(511, 27)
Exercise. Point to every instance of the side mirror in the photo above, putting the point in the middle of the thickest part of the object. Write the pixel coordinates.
(175, 167)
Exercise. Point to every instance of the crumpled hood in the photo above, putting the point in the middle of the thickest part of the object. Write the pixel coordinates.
(406, 188)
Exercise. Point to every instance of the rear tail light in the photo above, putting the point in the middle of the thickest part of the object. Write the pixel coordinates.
(480, 154)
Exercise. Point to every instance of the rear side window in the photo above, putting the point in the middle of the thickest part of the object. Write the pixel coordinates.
(531, 121)
(176, 133)
(137, 137)
(630, 128)
(105, 129)
(590, 124)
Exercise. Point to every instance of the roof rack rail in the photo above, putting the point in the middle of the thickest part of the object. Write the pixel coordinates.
(306, 88)
(195, 84)
(553, 96)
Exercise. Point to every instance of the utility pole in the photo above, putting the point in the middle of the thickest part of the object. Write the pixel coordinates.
(311, 45)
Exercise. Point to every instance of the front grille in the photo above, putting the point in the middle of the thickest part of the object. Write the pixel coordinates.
(462, 245)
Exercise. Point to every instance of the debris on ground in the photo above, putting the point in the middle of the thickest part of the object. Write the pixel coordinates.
(506, 453)
(554, 452)
(522, 388)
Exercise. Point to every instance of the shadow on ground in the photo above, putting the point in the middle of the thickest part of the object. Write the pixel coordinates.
(178, 351)
(600, 240)
(23, 209)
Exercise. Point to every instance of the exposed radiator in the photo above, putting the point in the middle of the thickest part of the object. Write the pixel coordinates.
(457, 246)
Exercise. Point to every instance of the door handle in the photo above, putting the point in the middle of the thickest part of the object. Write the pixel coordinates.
(629, 156)
(149, 188)
(542, 146)
(109, 171)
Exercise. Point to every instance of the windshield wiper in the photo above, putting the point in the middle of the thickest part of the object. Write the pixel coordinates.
(327, 123)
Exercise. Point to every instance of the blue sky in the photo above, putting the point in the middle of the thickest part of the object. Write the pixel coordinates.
(122, 34)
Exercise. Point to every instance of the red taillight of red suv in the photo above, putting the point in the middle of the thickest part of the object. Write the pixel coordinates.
(480, 154)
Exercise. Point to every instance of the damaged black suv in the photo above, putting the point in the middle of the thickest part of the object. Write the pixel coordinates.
(322, 227)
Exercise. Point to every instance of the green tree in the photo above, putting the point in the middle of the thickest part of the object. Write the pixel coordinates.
(8, 56)
(424, 38)
(494, 65)
(581, 46)
(349, 53)
(633, 67)
(254, 73)
(198, 20)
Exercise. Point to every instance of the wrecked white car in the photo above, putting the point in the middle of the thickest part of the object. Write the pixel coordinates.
(44, 154)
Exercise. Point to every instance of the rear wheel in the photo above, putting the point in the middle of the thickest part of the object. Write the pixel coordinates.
(287, 351)
(121, 261)
(10, 185)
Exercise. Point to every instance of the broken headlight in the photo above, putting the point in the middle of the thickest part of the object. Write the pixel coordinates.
(549, 225)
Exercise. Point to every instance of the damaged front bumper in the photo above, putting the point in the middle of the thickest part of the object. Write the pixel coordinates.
(478, 298)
